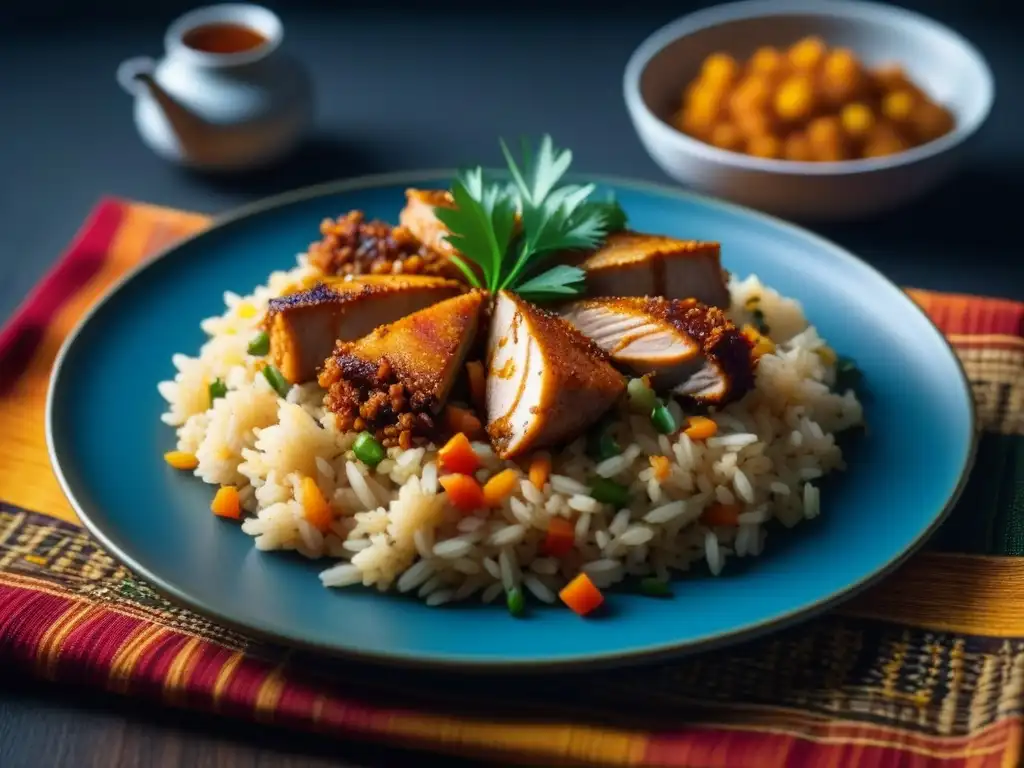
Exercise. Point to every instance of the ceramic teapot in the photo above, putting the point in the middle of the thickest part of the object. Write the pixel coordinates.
(224, 97)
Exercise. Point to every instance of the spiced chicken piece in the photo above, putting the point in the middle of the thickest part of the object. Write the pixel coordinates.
(546, 382)
(304, 326)
(395, 380)
(635, 264)
(688, 347)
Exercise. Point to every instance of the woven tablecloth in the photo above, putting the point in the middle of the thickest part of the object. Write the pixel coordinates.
(925, 669)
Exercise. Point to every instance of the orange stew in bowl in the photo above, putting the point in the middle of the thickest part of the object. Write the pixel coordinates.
(808, 103)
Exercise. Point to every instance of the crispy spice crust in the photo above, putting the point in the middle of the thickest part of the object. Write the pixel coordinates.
(572, 359)
(368, 397)
(351, 245)
(721, 342)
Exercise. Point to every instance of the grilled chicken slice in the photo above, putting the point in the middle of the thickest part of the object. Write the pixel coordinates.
(634, 264)
(395, 379)
(419, 218)
(687, 346)
(546, 382)
(303, 326)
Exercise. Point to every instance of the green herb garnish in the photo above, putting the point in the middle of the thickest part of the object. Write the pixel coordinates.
(260, 344)
(276, 380)
(496, 254)
(217, 389)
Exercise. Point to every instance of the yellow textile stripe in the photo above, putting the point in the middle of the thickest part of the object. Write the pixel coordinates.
(563, 744)
(180, 670)
(985, 340)
(967, 594)
(269, 694)
(25, 474)
(123, 664)
(224, 676)
(50, 644)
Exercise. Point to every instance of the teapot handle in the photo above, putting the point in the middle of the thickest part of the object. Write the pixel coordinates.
(129, 71)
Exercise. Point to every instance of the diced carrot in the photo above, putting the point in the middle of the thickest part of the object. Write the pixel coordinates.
(560, 538)
(464, 492)
(462, 420)
(226, 503)
(662, 467)
(700, 428)
(500, 487)
(581, 595)
(458, 455)
(477, 383)
(181, 459)
(314, 506)
(540, 470)
(721, 514)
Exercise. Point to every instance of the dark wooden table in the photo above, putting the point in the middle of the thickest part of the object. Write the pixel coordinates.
(398, 89)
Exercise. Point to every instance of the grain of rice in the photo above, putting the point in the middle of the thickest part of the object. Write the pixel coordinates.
(612, 466)
(467, 565)
(341, 575)
(584, 503)
(539, 590)
(423, 540)
(509, 570)
(520, 511)
(359, 485)
(754, 516)
(664, 513)
(733, 442)
(567, 486)
(489, 594)
(414, 576)
(507, 537)
(780, 488)
(440, 597)
(470, 524)
(492, 567)
(601, 538)
(741, 483)
(430, 585)
(713, 553)
(619, 522)
(451, 549)
(636, 535)
(724, 495)
(531, 493)
(428, 478)
(356, 545)
(582, 528)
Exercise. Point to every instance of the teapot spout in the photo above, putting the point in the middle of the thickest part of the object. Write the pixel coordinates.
(136, 76)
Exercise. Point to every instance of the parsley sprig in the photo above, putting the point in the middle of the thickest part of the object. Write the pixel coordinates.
(508, 253)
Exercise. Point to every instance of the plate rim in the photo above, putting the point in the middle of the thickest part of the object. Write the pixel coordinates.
(413, 661)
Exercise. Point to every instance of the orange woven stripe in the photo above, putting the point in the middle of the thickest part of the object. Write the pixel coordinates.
(25, 473)
(970, 594)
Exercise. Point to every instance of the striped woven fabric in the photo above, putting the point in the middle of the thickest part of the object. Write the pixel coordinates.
(926, 669)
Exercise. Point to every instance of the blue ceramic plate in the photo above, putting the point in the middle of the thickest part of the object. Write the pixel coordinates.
(106, 442)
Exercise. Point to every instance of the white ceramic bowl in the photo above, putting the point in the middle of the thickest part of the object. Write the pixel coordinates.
(938, 59)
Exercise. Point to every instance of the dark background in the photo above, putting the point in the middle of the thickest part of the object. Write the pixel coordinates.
(403, 86)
